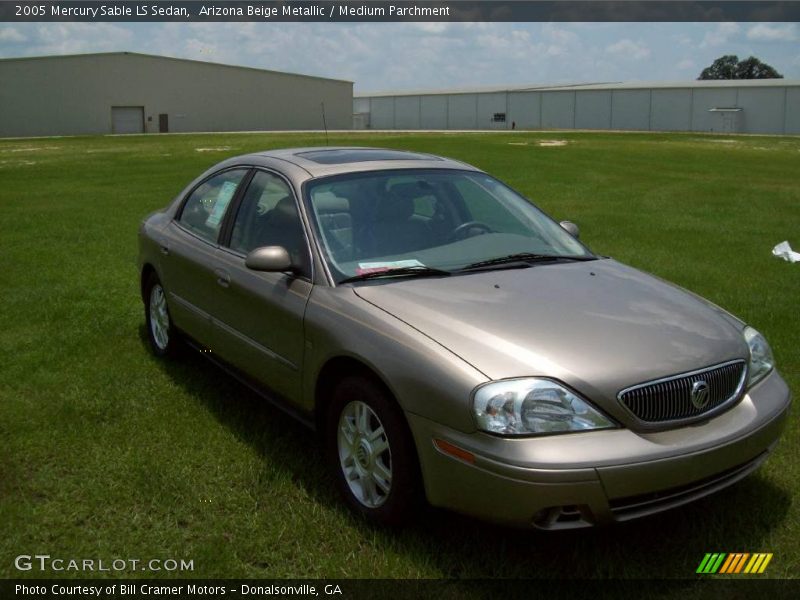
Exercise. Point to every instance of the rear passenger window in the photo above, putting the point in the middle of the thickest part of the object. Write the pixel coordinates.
(205, 208)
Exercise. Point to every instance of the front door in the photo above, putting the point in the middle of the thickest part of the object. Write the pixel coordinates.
(258, 317)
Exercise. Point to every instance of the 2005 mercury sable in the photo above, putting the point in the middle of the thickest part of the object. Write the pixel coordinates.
(451, 342)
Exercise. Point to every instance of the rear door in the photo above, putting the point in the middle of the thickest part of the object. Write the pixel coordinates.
(258, 317)
(189, 252)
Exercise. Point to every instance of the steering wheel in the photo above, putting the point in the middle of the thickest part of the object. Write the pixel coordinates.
(464, 230)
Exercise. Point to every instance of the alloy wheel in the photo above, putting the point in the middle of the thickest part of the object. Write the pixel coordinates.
(365, 456)
(159, 317)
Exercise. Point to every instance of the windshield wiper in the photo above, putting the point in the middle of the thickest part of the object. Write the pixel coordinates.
(525, 258)
(420, 271)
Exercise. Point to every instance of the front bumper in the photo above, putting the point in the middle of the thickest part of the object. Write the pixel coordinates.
(589, 478)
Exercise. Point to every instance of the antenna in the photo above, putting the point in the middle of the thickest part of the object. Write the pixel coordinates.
(324, 123)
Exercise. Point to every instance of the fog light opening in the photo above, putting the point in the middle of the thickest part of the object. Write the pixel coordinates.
(563, 517)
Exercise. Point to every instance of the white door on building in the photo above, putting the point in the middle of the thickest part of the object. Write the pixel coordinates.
(127, 119)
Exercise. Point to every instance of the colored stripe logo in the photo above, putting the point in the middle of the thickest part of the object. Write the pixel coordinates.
(734, 563)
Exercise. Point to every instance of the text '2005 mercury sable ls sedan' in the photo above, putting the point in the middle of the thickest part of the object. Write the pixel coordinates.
(451, 342)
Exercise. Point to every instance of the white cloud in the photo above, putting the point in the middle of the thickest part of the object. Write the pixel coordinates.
(720, 35)
(765, 32)
(628, 49)
(434, 28)
(73, 38)
(381, 56)
(9, 34)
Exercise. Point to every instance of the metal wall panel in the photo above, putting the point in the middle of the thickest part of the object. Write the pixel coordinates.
(705, 99)
(558, 110)
(772, 109)
(462, 111)
(360, 105)
(630, 109)
(763, 110)
(792, 110)
(406, 112)
(434, 112)
(488, 105)
(671, 110)
(524, 109)
(593, 110)
(381, 115)
(67, 95)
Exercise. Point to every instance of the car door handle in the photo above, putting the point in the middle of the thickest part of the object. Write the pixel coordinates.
(165, 250)
(223, 278)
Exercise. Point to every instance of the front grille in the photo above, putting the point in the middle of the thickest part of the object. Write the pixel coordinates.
(670, 399)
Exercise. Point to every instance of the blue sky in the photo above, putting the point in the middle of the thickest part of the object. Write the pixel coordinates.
(387, 56)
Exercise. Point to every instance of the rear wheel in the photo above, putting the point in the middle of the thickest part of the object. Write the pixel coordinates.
(371, 452)
(160, 331)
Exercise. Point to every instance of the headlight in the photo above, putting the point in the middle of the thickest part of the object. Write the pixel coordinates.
(530, 406)
(761, 359)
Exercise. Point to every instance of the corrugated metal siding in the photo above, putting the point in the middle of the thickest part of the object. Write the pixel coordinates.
(769, 108)
(71, 95)
(593, 110)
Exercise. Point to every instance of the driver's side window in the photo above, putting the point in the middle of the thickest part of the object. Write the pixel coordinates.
(268, 217)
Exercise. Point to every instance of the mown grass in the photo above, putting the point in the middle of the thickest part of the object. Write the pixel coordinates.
(106, 452)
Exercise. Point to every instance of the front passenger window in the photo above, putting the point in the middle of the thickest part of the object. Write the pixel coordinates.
(268, 217)
(205, 208)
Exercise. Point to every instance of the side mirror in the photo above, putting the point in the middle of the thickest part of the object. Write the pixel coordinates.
(571, 228)
(270, 259)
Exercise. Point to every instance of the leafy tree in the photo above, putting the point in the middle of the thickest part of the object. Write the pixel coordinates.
(752, 68)
(730, 67)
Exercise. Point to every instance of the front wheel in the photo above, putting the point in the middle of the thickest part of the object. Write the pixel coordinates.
(160, 332)
(371, 452)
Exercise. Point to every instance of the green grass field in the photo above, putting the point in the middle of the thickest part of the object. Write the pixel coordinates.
(106, 452)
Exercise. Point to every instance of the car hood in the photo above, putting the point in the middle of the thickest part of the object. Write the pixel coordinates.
(599, 326)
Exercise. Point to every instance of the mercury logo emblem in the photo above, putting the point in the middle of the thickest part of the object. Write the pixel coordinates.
(700, 394)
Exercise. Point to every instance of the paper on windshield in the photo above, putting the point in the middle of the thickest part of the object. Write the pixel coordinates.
(376, 267)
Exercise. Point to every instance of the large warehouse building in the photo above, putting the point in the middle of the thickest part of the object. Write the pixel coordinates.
(125, 92)
(737, 106)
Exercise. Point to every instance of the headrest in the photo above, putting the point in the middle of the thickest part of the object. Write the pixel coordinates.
(412, 189)
(328, 202)
(285, 210)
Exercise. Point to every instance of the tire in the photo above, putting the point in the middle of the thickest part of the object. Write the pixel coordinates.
(371, 453)
(160, 332)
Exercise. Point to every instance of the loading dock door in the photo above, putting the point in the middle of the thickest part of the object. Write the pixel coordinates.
(127, 119)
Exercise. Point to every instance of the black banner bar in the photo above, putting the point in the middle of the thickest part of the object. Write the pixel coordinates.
(404, 11)
(396, 589)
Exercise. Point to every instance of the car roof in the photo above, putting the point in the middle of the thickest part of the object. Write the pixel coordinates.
(332, 160)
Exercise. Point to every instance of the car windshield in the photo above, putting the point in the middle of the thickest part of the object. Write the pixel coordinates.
(410, 220)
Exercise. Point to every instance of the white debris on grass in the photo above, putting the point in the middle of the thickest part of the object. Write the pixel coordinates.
(517, 143)
(784, 251)
(16, 163)
(29, 149)
(213, 149)
(553, 143)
